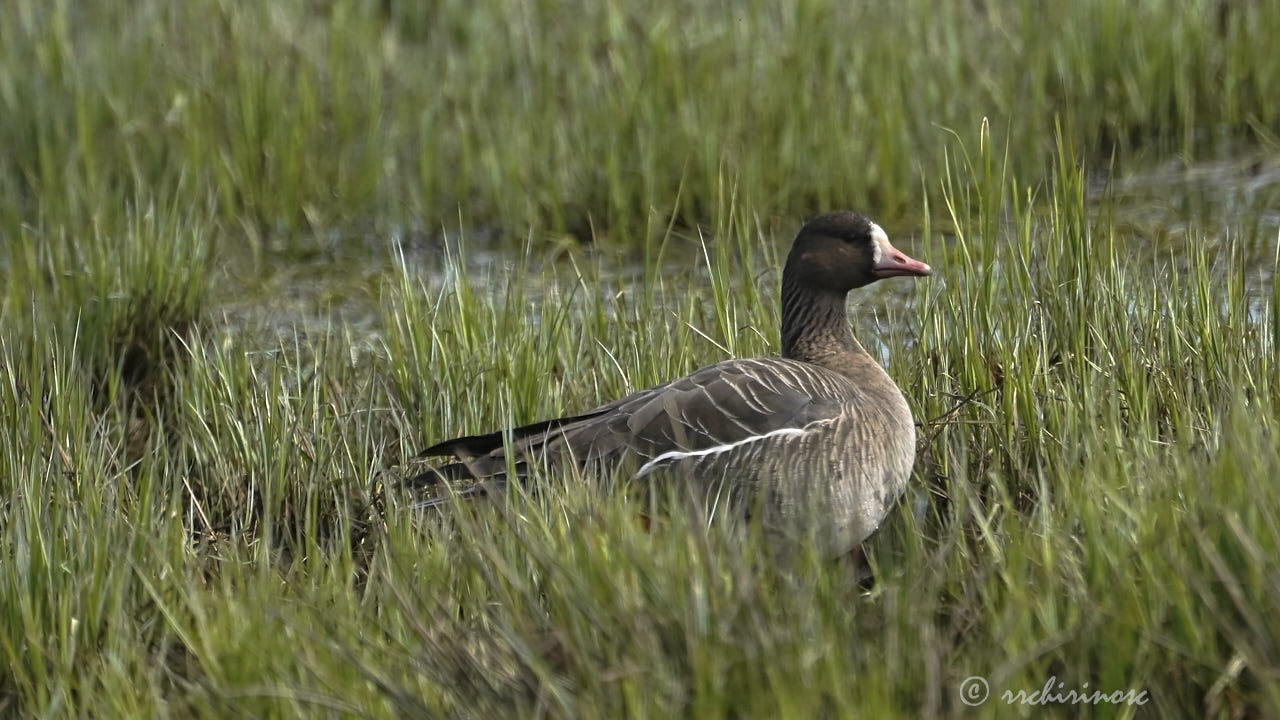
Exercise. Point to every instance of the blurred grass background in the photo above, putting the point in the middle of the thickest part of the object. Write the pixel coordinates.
(255, 255)
(300, 116)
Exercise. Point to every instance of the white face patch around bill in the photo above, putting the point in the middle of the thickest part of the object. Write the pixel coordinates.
(881, 243)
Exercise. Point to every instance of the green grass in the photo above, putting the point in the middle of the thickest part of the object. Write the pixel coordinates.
(303, 116)
(200, 503)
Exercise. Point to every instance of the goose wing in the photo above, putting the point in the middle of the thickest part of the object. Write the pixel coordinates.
(728, 403)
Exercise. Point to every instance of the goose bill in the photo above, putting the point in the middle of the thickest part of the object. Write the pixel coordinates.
(890, 262)
(893, 263)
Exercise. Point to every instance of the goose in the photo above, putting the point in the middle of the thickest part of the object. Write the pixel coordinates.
(821, 439)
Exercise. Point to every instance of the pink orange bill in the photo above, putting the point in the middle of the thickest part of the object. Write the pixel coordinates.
(894, 263)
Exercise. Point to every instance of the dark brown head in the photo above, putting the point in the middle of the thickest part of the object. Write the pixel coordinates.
(841, 251)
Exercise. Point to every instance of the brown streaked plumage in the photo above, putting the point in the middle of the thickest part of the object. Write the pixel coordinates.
(821, 437)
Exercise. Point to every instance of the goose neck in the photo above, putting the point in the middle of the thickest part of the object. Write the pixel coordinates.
(815, 324)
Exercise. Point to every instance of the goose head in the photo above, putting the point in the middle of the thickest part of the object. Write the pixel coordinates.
(841, 251)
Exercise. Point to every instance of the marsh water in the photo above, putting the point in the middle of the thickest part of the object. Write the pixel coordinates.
(1159, 212)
